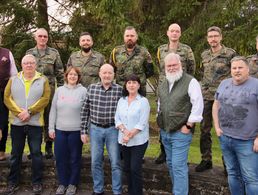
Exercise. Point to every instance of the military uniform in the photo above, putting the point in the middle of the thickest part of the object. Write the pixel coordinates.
(139, 62)
(51, 66)
(216, 68)
(253, 65)
(89, 66)
(186, 56)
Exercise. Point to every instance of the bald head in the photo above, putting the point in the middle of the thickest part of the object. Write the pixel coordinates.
(174, 32)
(41, 38)
(106, 74)
(106, 67)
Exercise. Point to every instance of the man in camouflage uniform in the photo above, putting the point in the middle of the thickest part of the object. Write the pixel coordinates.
(187, 60)
(88, 60)
(131, 58)
(216, 65)
(48, 63)
(253, 62)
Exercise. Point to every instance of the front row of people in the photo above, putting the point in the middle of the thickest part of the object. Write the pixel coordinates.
(117, 118)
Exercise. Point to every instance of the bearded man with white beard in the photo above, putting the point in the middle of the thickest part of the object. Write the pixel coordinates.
(180, 107)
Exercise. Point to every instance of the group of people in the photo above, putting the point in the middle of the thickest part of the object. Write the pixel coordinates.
(84, 104)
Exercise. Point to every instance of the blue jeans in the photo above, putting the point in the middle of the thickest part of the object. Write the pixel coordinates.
(98, 138)
(242, 165)
(133, 167)
(176, 146)
(18, 136)
(68, 152)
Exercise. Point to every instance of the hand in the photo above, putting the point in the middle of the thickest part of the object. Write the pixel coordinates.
(125, 139)
(255, 148)
(24, 115)
(85, 138)
(219, 131)
(132, 133)
(52, 134)
(185, 130)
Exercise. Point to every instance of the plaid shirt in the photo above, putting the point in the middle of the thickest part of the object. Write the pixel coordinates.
(100, 105)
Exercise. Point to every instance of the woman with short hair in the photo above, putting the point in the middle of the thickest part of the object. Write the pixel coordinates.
(64, 127)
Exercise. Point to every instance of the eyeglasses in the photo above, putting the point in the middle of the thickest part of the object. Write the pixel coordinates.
(42, 36)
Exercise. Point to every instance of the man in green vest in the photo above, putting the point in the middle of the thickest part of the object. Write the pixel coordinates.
(180, 107)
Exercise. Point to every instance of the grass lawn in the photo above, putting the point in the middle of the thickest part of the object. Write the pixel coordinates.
(153, 149)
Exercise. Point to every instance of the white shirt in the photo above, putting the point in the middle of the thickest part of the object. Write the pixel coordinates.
(195, 94)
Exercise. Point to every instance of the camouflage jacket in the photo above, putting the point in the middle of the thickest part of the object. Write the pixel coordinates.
(50, 65)
(186, 54)
(89, 66)
(253, 65)
(136, 63)
(216, 68)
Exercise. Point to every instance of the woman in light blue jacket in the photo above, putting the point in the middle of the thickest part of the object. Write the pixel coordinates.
(132, 121)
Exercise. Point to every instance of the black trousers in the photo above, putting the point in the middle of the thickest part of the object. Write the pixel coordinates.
(133, 167)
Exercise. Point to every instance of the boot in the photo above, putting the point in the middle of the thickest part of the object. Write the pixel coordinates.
(162, 156)
(48, 150)
(203, 166)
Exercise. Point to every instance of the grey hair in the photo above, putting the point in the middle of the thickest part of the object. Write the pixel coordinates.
(239, 58)
(171, 56)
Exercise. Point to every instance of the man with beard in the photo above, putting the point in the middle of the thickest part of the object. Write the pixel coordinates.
(131, 58)
(216, 65)
(88, 60)
(48, 63)
(180, 106)
(253, 62)
(187, 60)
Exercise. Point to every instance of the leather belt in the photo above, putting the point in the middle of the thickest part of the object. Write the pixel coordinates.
(104, 125)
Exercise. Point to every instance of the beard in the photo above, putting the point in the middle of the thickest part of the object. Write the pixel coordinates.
(173, 77)
(130, 44)
(86, 49)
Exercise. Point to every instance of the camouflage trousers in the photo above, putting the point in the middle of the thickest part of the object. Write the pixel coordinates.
(206, 125)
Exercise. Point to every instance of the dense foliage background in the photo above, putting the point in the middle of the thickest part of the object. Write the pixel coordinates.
(106, 20)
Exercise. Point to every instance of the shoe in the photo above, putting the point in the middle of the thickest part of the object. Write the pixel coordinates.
(161, 158)
(37, 188)
(95, 193)
(48, 149)
(71, 190)
(2, 156)
(11, 189)
(60, 190)
(204, 165)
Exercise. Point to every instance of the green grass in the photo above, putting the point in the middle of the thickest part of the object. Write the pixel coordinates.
(154, 148)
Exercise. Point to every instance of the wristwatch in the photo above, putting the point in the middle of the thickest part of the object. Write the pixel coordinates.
(29, 111)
